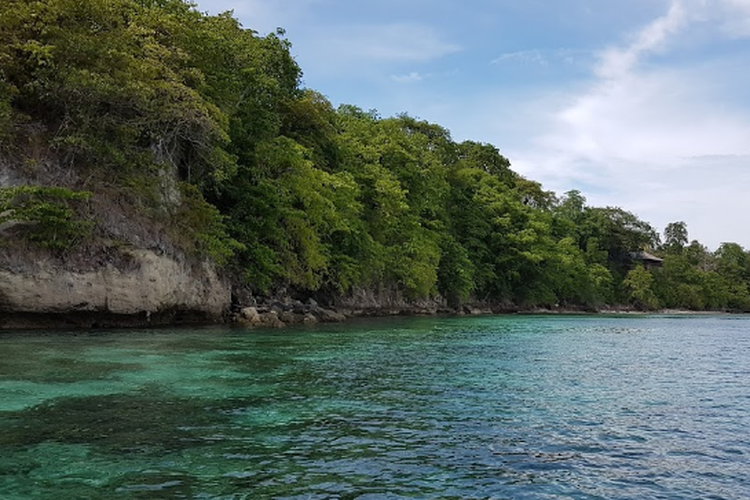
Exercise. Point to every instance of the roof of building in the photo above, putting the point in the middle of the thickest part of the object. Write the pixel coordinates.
(646, 257)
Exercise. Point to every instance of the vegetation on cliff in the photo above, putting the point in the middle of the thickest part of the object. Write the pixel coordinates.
(201, 128)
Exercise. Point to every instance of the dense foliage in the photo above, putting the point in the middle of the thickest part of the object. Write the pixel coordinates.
(288, 192)
(48, 216)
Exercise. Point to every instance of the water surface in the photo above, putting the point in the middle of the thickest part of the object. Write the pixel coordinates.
(486, 408)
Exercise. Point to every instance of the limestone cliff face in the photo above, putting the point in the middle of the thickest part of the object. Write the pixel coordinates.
(128, 272)
(152, 289)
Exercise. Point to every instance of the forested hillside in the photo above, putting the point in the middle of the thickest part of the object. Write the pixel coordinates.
(148, 123)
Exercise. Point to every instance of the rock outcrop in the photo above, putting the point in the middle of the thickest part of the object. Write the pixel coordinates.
(289, 312)
(153, 289)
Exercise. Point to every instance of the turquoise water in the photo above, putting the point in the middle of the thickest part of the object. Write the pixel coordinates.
(462, 408)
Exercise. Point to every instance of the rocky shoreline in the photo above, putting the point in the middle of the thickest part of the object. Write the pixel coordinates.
(283, 313)
(280, 314)
(108, 297)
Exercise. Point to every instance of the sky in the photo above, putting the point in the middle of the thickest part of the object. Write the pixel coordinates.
(643, 104)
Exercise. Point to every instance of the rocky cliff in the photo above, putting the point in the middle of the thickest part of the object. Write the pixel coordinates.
(151, 290)
(132, 266)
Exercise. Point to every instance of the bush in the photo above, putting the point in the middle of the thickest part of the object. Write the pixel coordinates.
(49, 217)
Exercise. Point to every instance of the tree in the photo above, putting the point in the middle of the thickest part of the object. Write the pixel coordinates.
(638, 285)
(733, 264)
(110, 81)
(675, 237)
(619, 233)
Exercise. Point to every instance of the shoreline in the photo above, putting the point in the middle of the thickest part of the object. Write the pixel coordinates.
(280, 315)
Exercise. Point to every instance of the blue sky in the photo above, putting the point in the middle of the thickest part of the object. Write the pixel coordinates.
(643, 104)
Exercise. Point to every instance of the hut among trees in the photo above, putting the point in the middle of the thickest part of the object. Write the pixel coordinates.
(649, 261)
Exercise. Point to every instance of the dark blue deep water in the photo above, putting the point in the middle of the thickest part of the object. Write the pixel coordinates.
(576, 407)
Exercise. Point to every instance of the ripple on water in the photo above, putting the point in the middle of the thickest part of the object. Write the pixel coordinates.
(505, 407)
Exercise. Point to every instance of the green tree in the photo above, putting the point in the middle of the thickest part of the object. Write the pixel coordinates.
(638, 285)
(675, 237)
(733, 264)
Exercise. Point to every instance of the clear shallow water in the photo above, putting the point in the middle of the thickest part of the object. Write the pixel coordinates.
(490, 408)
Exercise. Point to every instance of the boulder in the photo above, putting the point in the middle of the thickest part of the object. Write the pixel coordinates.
(328, 316)
(291, 318)
(271, 319)
(249, 314)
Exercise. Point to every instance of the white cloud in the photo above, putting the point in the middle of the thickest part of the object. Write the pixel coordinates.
(409, 78)
(543, 57)
(388, 43)
(658, 140)
(617, 62)
(660, 115)
(522, 56)
(737, 23)
(371, 52)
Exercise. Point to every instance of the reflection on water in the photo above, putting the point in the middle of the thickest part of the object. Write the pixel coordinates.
(507, 407)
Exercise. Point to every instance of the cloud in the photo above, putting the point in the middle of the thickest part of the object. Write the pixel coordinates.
(737, 23)
(522, 56)
(410, 78)
(544, 57)
(617, 62)
(662, 115)
(387, 43)
(371, 52)
(663, 140)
